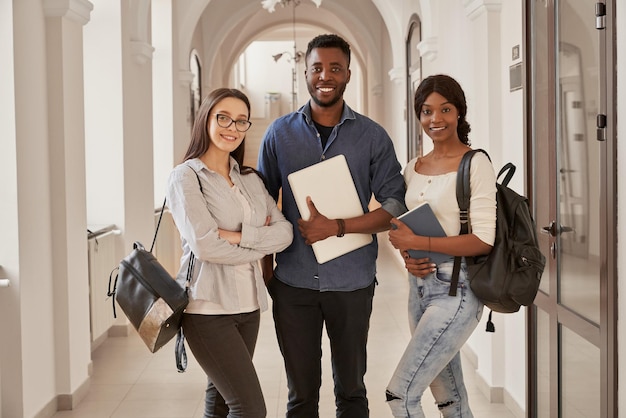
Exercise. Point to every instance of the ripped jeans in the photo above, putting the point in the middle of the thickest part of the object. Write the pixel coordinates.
(440, 325)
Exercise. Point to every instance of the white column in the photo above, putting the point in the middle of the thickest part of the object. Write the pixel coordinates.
(11, 382)
(64, 65)
(138, 147)
(485, 112)
(104, 135)
(162, 82)
(398, 113)
(485, 115)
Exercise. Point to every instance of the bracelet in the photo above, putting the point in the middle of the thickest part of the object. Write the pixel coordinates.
(342, 228)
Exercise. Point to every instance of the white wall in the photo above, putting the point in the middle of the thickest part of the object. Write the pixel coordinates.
(10, 379)
(263, 76)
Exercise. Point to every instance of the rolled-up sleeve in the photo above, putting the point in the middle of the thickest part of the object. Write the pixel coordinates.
(387, 181)
(196, 224)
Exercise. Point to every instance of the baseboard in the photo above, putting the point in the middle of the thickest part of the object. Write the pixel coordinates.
(47, 411)
(69, 402)
(65, 402)
(120, 330)
(493, 394)
(512, 405)
(98, 341)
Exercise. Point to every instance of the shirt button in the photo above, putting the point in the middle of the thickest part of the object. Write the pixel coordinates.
(316, 277)
(430, 181)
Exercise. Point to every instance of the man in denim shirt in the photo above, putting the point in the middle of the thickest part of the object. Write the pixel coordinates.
(306, 295)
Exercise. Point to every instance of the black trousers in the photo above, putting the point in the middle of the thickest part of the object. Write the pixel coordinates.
(299, 317)
(223, 345)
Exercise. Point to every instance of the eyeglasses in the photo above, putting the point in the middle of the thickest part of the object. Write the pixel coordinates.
(224, 121)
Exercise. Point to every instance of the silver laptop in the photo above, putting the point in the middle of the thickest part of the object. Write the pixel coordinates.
(330, 185)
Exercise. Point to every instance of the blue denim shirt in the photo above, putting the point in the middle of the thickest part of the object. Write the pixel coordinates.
(291, 143)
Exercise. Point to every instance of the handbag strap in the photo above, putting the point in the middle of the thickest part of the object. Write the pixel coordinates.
(179, 348)
(463, 194)
(156, 231)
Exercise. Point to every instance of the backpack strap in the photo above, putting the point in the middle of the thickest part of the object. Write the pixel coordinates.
(463, 194)
(509, 169)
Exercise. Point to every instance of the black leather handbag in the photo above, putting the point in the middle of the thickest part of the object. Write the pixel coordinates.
(151, 298)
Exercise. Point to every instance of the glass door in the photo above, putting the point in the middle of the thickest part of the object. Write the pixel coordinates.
(572, 324)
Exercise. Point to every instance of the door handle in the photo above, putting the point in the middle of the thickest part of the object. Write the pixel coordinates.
(553, 230)
(550, 229)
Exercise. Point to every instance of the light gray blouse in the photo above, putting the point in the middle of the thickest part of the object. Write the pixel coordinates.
(198, 215)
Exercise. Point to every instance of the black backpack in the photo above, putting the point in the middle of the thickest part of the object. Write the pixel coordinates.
(508, 277)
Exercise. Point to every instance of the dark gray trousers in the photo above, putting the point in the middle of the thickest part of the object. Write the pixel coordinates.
(299, 317)
(223, 345)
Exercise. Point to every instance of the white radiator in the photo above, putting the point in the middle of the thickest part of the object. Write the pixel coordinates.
(102, 259)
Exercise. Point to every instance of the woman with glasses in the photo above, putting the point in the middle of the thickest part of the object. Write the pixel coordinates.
(227, 222)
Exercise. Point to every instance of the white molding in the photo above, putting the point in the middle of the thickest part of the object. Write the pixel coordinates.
(185, 78)
(493, 394)
(475, 8)
(397, 74)
(428, 48)
(512, 405)
(78, 11)
(141, 51)
(120, 330)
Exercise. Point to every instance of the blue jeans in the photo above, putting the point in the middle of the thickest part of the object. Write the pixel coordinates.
(440, 325)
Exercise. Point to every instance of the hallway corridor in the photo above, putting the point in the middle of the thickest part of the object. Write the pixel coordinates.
(128, 381)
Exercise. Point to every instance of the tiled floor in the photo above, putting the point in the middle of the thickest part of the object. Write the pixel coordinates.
(130, 382)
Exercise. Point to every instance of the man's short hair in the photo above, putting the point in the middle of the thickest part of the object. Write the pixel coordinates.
(329, 41)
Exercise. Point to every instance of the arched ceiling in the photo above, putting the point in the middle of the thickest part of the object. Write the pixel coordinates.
(227, 28)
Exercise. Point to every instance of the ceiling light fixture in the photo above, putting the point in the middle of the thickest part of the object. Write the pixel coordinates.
(296, 56)
(270, 5)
